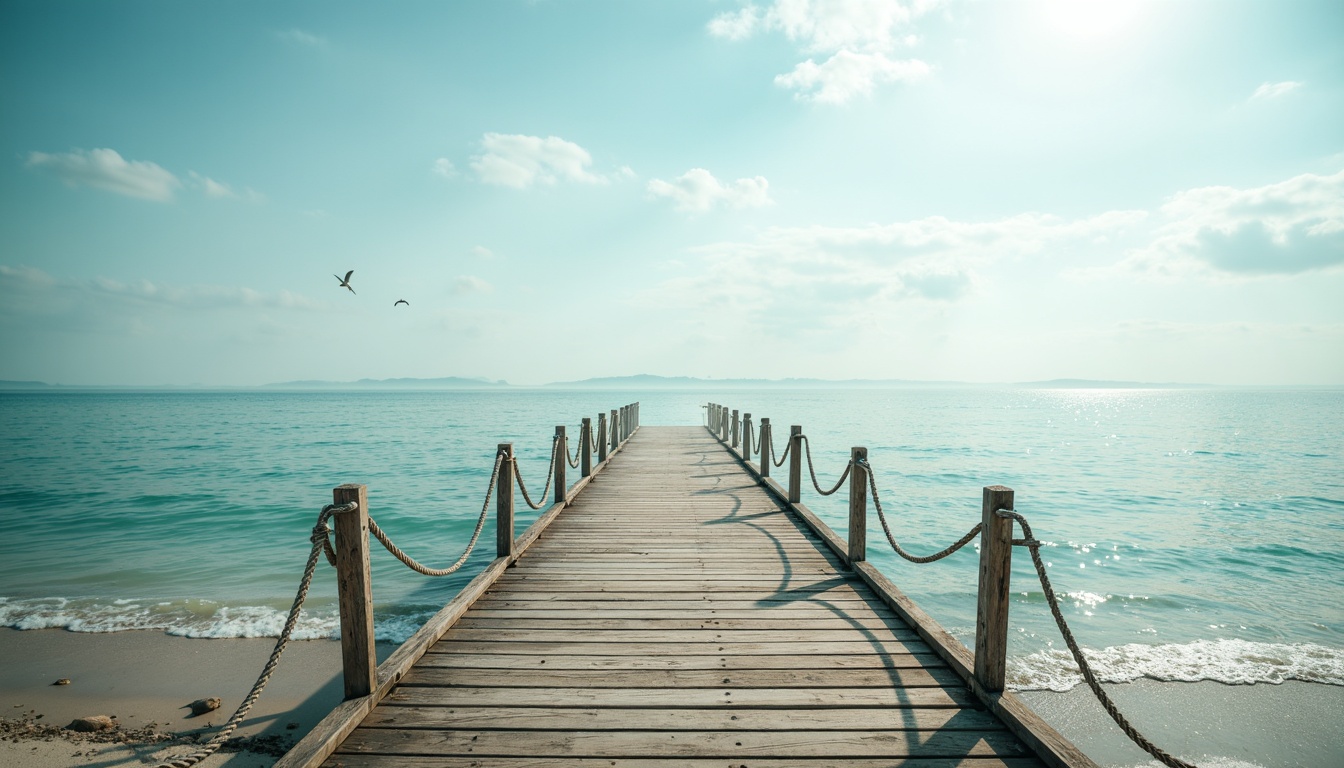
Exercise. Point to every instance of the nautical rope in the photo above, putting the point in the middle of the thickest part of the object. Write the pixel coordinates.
(411, 563)
(575, 463)
(810, 470)
(1033, 546)
(319, 536)
(555, 444)
(787, 447)
(963, 541)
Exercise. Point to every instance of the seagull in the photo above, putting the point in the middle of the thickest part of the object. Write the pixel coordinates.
(346, 282)
(401, 301)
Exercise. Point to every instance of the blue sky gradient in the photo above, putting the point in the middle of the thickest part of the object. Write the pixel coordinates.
(979, 191)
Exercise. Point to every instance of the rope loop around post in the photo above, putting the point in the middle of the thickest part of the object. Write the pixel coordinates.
(807, 445)
(1034, 547)
(318, 539)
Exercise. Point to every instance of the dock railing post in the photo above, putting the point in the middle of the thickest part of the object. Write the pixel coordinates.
(504, 503)
(795, 463)
(723, 427)
(711, 414)
(737, 425)
(354, 590)
(614, 424)
(586, 448)
(746, 436)
(858, 505)
(764, 447)
(561, 462)
(991, 613)
(601, 437)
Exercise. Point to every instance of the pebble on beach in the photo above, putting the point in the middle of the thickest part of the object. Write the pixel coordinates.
(91, 724)
(201, 706)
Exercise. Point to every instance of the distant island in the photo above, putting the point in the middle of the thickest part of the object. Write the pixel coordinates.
(640, 382)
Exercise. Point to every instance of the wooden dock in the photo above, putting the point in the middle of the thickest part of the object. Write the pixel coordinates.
(680, 612)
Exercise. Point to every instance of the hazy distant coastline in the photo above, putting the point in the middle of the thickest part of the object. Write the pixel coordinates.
(637, 382)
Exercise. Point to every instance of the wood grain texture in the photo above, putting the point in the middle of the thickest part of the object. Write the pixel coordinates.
(676, 614)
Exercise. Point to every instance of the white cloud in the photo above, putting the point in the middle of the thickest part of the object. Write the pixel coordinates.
(106, 169)
(1289, 227)
(481, 252)
(27, 280)
(515, 160)
(445, 168)
(847, 75)
(858, 35)
(697, 191)
(1274, 90)
(302, 38)
(463, 285)
(736, 26)
(219, 190)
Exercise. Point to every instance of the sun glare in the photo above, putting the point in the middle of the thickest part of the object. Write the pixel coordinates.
(1090, 20)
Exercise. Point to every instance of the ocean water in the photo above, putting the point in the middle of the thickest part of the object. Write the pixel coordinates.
(1194, 534)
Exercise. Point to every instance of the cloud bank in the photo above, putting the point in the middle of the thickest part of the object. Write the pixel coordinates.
(855, 39)
(698, 191)
(519, 161)
(106, 169)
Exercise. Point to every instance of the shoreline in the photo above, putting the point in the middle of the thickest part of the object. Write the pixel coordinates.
(146, 678)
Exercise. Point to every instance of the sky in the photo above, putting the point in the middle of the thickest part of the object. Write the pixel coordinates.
(959, 190)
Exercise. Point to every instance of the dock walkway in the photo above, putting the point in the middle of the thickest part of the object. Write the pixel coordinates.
(677, 614)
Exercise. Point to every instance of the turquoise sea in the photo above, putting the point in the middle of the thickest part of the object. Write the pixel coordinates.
(1198, 534)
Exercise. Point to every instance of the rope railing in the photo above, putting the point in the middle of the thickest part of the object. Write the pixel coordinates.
(322, 546)
(881, 516)
(1033, 546)
(997, 539)
(320, 542)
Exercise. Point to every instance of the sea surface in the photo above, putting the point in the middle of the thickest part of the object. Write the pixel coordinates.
(1195, 534)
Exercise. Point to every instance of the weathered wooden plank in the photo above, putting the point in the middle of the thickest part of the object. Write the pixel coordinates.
(835, 745)
(682, 636)
(498, 661)
(590, 622)
(802, 698)
(782, 611)
(667, 719)
(680, 679)
(537, 647)
(417, 761)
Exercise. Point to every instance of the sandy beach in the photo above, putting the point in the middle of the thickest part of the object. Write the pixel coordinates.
(146, 678)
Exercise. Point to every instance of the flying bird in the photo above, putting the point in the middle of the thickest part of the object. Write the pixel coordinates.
(401, 301)
(346, 282)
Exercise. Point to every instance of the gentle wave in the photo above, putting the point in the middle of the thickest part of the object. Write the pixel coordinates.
(200, 618)
(1234, 662)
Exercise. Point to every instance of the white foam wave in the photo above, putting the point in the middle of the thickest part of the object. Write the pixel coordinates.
(198, 619)
(1234, 662)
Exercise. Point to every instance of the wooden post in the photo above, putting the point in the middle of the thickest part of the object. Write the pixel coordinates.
(795, 463)
(504, 503)
(354, 590)
(737, 424)
(746, 435)
(858, 505)
(615, 422)
(724, 437)
(991, 613)
(586, 449)
(764, 440)
(601, 437)
(561, 462)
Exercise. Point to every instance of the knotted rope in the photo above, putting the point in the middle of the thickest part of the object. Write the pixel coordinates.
(574, 462)
(788, 447)
(320, 542)
(1033, 546)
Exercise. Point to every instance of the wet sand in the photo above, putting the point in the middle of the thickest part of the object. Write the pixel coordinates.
(147, 678)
